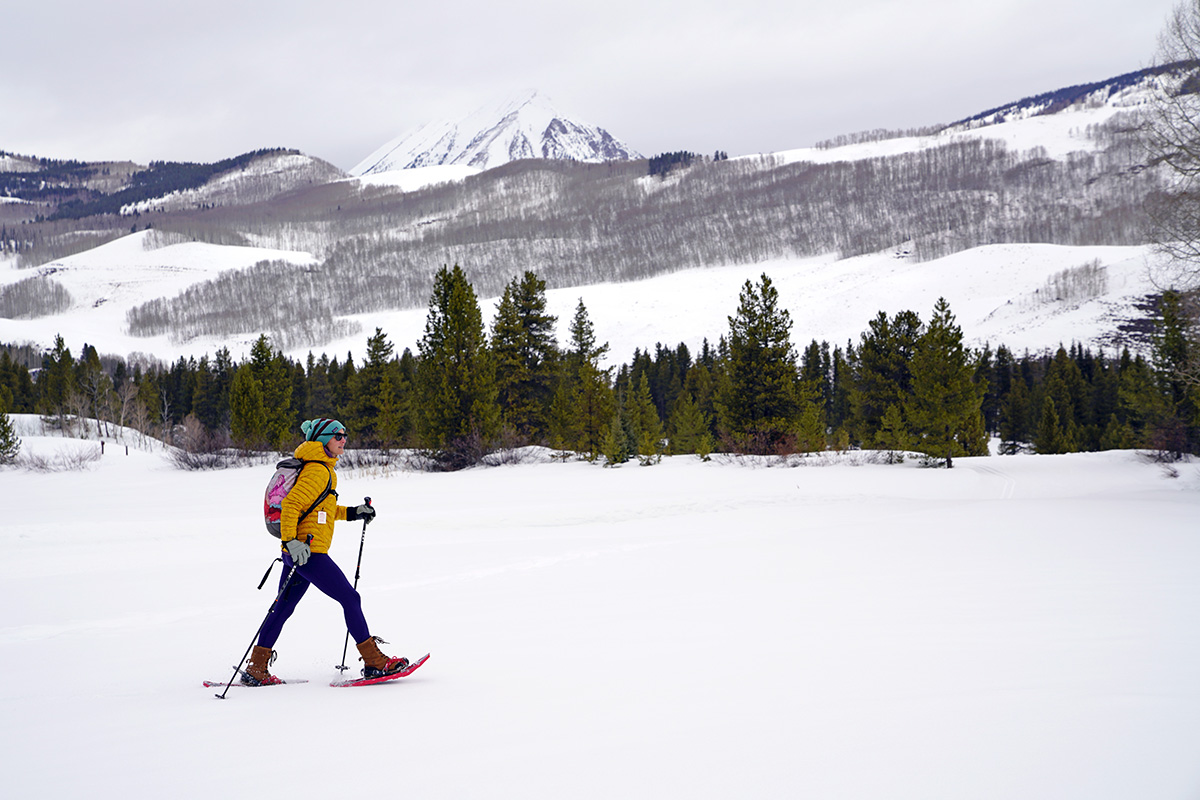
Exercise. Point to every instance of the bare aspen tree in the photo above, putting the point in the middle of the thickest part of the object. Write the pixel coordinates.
(1172, 138)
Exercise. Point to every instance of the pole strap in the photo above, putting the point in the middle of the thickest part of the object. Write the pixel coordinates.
(267, 574)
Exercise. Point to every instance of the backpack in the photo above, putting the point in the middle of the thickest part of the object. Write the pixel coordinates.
(282, 481)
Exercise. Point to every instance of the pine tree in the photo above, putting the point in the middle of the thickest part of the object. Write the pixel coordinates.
(248, 419)
(881, 371)
(1015, 414)
(893, 435)
(618, 445)
(10, 443)
(944, 409)
(270, 369)
(689, 428)
(644, 425)
(206, 397)
(95, 386)
(378, 409)
(456, 375)
(56, 384)
(759, 408)
(320, 389)
(810, 433)
(526, 353)
(582, 409)
(1051, 436)
(1174, 364)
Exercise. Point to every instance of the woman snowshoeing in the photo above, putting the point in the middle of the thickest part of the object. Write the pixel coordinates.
(306, 546)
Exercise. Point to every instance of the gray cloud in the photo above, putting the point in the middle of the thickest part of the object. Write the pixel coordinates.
(203, 81)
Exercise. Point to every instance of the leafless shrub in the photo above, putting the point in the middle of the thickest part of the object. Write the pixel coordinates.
(1166, 441)
(198, 449)
(73, 460)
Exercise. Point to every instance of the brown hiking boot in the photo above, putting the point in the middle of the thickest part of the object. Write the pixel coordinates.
(377, 664)
(256, 673)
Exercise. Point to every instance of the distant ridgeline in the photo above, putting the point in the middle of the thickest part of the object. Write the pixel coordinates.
(1053, 102)
(159, 179)
(75, 189)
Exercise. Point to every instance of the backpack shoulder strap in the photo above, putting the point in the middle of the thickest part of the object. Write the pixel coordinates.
(325, 493)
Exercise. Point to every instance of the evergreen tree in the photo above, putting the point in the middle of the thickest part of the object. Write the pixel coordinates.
(618, 446)
(378, 408)
(1015, 415)
(249, 425)
(644, 424)
(759, 408)
(583, 405)
(893, 434)
(320, 389)
(56, 384)
(10, 443)
(1051, 436)
(206, 396)
(1173, 362)
(944, 409)
(810, 433)
(456, 375)
(881, 371)
(526, 353)
(689, 427)
(839, 411)
(270, 369)
(94, 385)
(15, 376)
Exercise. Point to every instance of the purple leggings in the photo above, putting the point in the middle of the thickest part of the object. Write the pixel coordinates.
(322, 572)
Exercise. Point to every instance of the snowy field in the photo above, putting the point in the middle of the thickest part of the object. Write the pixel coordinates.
(1017, 627)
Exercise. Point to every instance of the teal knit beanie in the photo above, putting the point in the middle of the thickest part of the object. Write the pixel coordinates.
(321, 430)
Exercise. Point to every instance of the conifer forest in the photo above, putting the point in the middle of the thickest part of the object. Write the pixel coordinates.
(474, 389)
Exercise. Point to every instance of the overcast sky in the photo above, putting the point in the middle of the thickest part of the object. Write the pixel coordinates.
(202, 81)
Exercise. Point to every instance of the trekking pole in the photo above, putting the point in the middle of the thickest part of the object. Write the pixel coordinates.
(238, 668)
(346, 647)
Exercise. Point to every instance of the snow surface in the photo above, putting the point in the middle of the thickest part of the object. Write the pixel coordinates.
(1017, 627)
(410, 180)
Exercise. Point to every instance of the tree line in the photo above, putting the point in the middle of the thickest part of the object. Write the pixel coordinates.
(473, 387)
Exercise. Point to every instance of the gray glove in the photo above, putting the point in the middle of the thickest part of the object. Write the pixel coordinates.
(299, 551)
(364, 512)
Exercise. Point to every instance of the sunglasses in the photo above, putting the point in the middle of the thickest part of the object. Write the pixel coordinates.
(340, 436)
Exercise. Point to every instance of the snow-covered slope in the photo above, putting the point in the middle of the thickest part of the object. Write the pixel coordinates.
(104, 283)
(1059, 123)
(526, 126)
(263, 178)
(1017, 627)
(1001, 294)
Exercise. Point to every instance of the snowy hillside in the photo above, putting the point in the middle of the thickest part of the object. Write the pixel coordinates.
(104, 283)
(526, 126)
(1017, 627)
(262, 178)
(1059, 123)
(1002, 294)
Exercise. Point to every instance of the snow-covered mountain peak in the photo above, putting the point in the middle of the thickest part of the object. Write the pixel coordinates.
(524, 125)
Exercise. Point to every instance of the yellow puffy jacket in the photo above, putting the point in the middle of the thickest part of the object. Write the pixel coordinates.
(317, 527)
